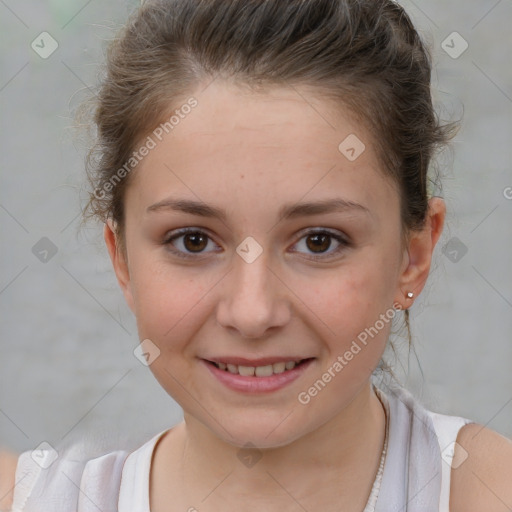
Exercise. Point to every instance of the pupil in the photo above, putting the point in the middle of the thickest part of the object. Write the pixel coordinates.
(197, 239)
(321, 242)
(325, 242)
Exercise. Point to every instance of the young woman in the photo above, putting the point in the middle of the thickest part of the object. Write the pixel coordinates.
(262, 174)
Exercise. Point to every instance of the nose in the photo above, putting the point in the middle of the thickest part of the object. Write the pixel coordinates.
(254, 300)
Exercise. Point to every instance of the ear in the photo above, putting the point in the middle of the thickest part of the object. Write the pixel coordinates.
(418, 253)
(118, 262)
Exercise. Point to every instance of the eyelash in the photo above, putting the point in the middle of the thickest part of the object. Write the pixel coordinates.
(344, 243)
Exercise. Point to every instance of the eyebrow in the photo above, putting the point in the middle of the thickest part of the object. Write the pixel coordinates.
(289, 211)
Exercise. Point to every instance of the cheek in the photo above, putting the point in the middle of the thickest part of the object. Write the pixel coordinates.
(357, 308)
(354, 296)
(348, 306)
(166, 303)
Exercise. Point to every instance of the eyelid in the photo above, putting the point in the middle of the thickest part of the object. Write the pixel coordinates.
(339, 236)
(329, 231)
(177, 233)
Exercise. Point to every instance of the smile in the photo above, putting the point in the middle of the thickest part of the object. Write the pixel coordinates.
(258, 371)
(264, 377)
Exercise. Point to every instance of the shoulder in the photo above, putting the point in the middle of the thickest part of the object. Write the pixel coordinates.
(55, 480)
(8, 462)
(483, 478)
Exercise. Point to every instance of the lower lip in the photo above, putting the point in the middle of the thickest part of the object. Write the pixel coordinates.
(257, 384)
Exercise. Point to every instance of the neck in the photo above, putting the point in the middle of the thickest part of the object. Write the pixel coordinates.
(341, 458)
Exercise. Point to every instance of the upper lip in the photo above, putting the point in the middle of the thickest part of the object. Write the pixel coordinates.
(260, 361)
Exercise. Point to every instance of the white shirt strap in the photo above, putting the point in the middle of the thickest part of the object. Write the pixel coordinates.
(447, 428)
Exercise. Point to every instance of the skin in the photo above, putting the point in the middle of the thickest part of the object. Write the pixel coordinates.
(249, 154)
(8, 462)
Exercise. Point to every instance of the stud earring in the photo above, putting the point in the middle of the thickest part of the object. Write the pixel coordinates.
(410, 295)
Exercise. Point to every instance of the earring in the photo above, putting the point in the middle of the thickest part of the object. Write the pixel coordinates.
(410, 295)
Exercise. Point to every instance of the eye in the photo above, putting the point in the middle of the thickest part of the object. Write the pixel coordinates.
(187, 242)
(320, 241)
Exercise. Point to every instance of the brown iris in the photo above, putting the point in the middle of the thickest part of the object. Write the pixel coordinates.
(318, 239)
(198, 241)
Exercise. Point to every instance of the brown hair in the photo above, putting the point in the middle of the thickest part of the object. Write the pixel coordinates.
(364, 53)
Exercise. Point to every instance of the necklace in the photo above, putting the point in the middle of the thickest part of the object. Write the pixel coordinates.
(372, 500)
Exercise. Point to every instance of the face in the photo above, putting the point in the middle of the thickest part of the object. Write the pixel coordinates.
(261, 279)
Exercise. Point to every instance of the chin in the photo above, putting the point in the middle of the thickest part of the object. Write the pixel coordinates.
(254, 431)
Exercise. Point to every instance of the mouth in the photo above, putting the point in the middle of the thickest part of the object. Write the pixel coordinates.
(257, 369)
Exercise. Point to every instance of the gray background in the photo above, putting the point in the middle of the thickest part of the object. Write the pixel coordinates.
(67, 367)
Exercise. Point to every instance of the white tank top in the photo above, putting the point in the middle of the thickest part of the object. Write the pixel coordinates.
(415, 475)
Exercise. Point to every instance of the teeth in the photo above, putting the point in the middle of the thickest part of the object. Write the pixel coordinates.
(258, 371)
(264, 371)
(246, 371)
(279, 367)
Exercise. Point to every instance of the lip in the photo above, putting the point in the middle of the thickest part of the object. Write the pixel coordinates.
(253, 384)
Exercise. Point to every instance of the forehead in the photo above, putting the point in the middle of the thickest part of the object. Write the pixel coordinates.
(273, 120)
(281, 142)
